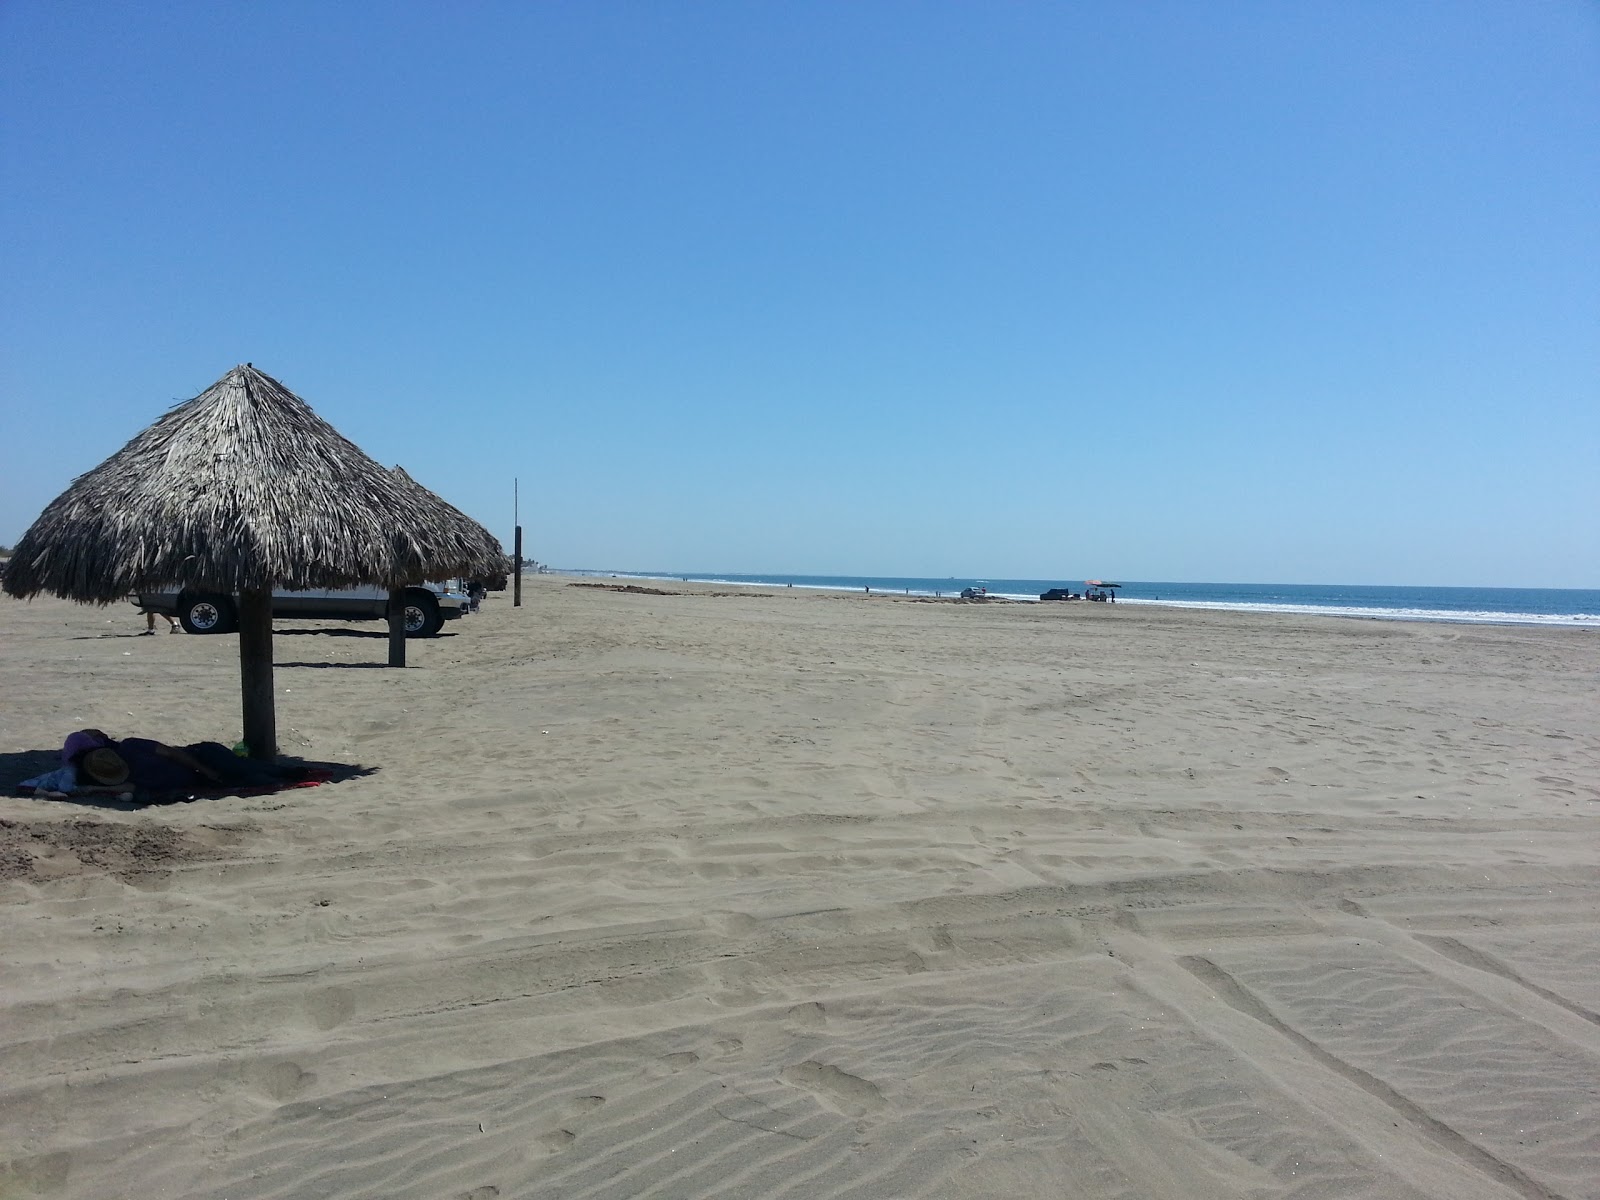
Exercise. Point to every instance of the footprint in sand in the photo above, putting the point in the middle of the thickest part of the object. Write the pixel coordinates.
(671, 1064)
(330, 1007)
(807, 1016)
(837, 1091)
(733, 924)
(280, 1081)
(555, 1141)
(41, 1175)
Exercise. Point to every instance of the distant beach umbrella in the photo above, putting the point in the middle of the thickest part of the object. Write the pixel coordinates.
(241, 490)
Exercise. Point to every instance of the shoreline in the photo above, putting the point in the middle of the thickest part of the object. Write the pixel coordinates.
(1350, 612)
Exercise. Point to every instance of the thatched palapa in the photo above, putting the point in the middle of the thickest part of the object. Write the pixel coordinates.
(462, 528)
(242, 490)
(443, 516)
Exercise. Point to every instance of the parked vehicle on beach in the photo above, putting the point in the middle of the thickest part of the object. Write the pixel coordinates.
(975, 593)
(428, 607)
(1058, 594)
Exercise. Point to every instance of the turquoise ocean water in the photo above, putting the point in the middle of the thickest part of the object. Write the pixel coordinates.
(1492, 606)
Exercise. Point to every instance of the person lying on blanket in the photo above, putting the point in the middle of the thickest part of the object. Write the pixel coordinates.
(146, 765)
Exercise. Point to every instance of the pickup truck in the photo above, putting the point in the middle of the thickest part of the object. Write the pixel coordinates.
(428, 607)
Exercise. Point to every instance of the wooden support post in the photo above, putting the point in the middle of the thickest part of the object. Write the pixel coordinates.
(516, 585)
(255, 674)
(397, 627)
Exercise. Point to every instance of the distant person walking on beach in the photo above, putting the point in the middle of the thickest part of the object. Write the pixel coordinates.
(150, 615)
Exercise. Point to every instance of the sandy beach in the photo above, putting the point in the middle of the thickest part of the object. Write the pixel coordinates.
(796, 894)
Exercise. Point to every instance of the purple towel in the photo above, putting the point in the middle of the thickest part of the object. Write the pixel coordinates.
(83, 740)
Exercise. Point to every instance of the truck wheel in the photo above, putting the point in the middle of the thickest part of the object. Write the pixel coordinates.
(203, 613)
(422, 613)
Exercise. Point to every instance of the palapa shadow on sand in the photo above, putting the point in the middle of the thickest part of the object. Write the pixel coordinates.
(354, 633)
(347, 666)
(351, 633)
(26, 764)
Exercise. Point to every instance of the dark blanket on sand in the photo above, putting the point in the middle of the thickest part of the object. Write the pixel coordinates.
(313, 777)
(236, 776)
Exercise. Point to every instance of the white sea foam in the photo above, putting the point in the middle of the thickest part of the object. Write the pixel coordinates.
(1370, 613)
(1564, 620)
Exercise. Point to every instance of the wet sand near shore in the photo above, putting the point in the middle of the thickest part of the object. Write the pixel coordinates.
(799, 894)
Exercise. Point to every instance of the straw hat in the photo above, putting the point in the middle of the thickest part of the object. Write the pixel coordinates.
(104, 766)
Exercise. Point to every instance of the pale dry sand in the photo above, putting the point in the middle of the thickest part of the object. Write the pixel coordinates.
(798, 895)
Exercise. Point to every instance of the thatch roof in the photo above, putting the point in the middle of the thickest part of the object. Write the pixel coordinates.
(447, 516)
(241, 488)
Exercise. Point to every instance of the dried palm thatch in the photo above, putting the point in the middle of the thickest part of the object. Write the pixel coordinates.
(241, 489)
(446, 516)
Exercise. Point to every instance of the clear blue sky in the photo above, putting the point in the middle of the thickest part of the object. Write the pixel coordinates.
(1287, 292)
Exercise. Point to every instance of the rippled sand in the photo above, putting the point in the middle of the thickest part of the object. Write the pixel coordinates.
(802, 895)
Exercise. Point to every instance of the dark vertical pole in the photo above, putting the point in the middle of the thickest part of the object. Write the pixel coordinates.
(397, 627)
(516, 519)
(255, 674)
(517, 594)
